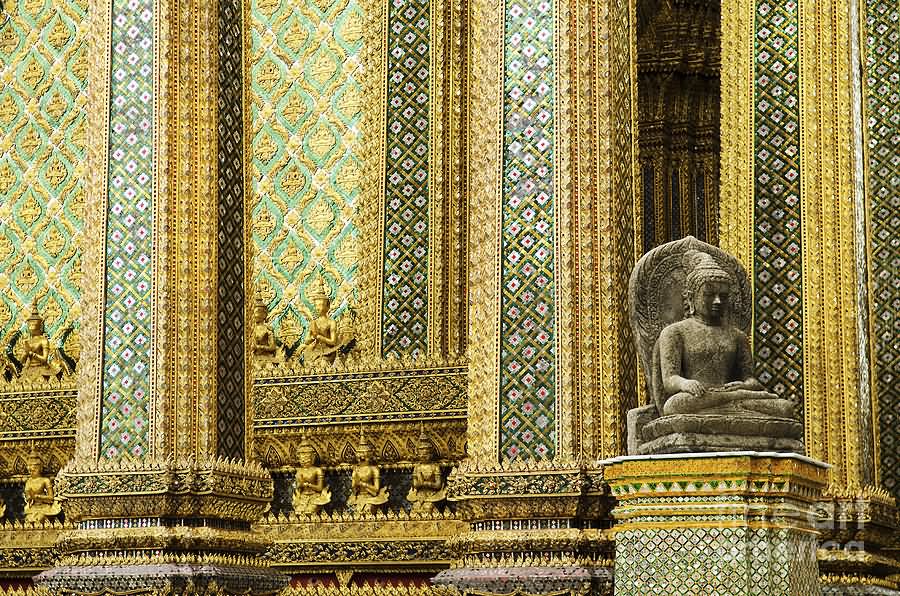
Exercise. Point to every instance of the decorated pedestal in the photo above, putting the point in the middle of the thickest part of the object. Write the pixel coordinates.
(728, 524)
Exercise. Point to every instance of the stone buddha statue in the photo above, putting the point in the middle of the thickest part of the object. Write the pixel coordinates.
(428, 487)
(310, 492)
(366, 493)
(690, 309)
(40, 503)
(706, 364)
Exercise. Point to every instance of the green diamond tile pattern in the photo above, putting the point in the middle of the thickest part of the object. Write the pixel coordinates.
(527, 367)
(43, 77)
(129, 235)
(231, 295)
(882, 76)
(304, 154)
(722, 561)
(405, 299)
(778, 313)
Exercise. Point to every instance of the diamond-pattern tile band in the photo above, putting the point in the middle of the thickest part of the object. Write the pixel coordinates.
(882, 72)
(231, 291)
(43, 76)
(777, 240)
(527, 370)
(305, 164)
(126, 356)
(405, 322)
(756, 562)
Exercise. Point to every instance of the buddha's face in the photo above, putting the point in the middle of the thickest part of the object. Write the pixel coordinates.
(34, 468)
(711, 300)
(322, 305)
(307, 458)
(424, 452)
(35, 327)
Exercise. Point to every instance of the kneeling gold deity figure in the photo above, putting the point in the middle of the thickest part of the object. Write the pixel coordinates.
(310, 492)
(40, 503)
(427, 482)
(367, 494)
(325, 338)
(706, 364)
(36, 362)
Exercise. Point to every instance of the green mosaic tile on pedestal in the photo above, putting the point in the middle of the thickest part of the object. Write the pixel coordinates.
(778, 312)
(406, 230)
(527, 360)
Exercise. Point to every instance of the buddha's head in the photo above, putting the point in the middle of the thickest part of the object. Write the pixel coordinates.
(35, 322)
(364, 451)
(320, 298)
(707, 288)
(306, 453)
(424, 448)
(34, 464)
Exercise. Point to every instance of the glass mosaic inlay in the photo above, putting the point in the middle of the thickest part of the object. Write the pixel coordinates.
(129, 241)
(778, 314)
(527, 367)
(405, 300)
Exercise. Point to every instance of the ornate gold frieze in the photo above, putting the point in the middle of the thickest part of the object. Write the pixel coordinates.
(406, 390)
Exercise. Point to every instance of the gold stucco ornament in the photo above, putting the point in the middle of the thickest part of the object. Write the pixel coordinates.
(34, 361)
(428, 486)
(310, 492)
(367, 495)
(40, 502)
(328, 338)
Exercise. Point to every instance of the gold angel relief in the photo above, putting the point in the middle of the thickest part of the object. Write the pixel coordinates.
(33, 360)
(328, 340)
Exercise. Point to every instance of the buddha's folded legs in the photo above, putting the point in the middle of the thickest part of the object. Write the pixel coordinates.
(714, 401)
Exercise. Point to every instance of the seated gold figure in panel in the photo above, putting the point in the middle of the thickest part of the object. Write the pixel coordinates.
(367, 494)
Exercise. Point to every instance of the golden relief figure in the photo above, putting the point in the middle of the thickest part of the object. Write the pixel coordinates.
(40, 502)
(328, 338)
(265, 346)
(367, 495)
(310, 492)
(428, 487)
(33, 360)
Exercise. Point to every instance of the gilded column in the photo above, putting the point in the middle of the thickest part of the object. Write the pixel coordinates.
(159, 488)
(794, 208)
(552, 243)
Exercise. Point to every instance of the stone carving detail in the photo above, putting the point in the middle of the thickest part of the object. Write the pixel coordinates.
(689, 305)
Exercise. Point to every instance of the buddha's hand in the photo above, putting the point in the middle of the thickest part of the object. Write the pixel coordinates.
(693, 387)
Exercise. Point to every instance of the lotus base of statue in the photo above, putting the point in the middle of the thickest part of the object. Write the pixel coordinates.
(651, 434)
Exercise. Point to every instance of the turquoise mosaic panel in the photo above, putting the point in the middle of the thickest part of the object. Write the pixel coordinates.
(683, 561)
(778, 312)
(129, 245)
(527, 370)
(405, 299)
(882, 72)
